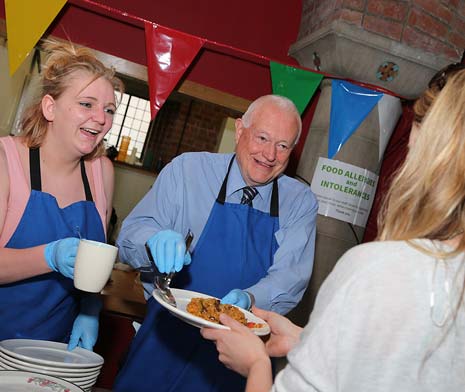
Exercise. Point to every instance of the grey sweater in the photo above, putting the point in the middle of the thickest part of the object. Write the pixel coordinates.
(382, 322)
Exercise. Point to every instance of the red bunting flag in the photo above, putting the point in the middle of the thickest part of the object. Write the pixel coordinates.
(169, 54)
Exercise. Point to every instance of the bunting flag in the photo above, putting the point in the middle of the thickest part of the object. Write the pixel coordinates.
(296, 84)
(350, 105)
(169, 54)
(26, 22)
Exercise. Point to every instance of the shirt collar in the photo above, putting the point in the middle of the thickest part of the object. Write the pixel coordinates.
(236, 183)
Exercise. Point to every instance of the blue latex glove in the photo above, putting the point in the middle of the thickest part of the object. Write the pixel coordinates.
(60, 255)
(85, 328)
(239, 298)
(168, 249)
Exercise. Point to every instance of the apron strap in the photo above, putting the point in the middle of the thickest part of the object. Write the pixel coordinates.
(85, 181)
(34, 171)
(222, 194)
(274, 204)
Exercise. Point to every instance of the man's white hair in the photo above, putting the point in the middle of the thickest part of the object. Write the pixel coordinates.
(278, 100)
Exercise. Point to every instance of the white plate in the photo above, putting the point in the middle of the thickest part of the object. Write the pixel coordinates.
(17, 381)
(86, 385)
(74, 378)
(44, 352)
(52, 370)
(183, 297)
(6, 367)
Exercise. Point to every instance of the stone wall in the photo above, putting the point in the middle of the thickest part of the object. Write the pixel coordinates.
(396, 45)
(434, 26)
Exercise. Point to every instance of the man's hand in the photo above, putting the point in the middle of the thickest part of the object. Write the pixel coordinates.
(168, 249)
(239, 298)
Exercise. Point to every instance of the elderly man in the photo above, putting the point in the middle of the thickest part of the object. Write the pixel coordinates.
(254, 234)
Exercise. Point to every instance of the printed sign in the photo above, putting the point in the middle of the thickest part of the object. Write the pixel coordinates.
(344, 191)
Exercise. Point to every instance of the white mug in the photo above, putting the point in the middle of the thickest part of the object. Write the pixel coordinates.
(93, 265)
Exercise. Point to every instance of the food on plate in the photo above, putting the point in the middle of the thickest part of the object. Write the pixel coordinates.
(210, 309)
(250, 324)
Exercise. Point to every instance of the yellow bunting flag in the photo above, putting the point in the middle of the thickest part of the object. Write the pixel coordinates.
(26, 22)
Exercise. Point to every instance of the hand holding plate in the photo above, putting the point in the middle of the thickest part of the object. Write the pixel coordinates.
(239, 349)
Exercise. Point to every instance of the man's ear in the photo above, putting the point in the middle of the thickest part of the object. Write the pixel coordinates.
(239, 129)
(48, 107)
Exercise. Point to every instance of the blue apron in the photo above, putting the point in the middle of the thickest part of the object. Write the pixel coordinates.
(44, 307)
(235, 250)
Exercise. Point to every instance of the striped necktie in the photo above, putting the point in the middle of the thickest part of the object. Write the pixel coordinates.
(248, 194)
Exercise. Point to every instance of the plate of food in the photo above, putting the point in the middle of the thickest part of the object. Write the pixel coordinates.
(201, 310)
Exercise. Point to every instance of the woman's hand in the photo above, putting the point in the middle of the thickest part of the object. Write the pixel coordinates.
(60, 255)
(239, 349)
(284, 334)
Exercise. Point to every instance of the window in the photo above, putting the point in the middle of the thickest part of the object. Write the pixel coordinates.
(132, 119)
(184, 123)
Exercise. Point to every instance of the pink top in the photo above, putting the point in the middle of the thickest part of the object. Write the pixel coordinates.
(20, 190)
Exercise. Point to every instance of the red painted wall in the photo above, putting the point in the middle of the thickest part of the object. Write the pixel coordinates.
(264, 27)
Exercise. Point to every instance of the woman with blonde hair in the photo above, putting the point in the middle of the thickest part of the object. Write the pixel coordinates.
(390, 316)
(56, 186)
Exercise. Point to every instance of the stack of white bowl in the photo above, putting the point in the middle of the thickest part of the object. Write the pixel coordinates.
(80, 366)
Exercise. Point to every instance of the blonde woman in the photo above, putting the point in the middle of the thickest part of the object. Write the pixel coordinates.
(55, 186)
(390, 317)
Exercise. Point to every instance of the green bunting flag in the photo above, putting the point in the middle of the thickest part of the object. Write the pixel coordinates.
(296, 84)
